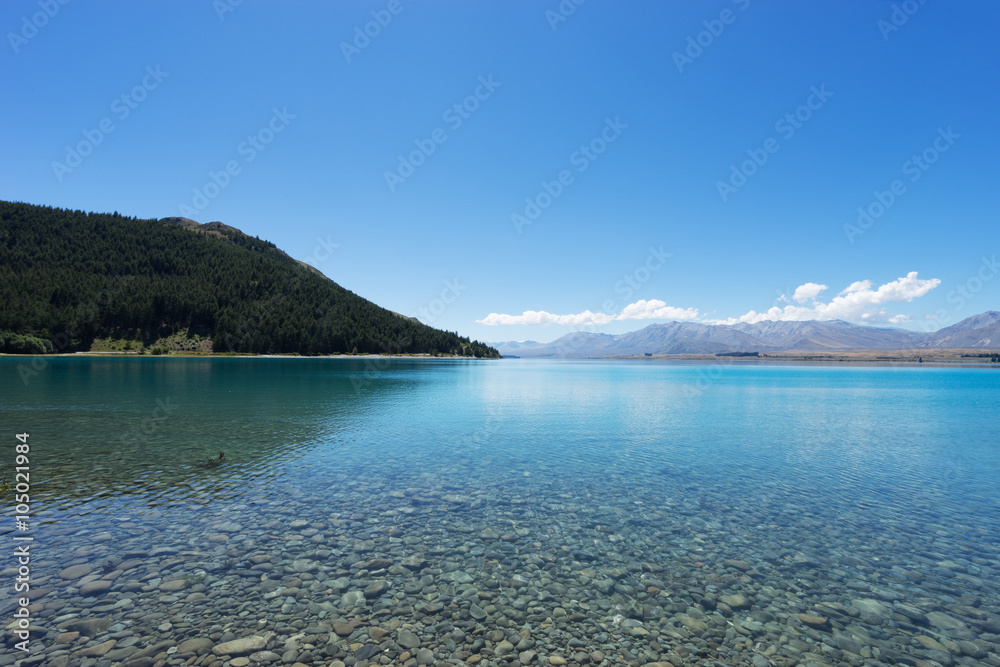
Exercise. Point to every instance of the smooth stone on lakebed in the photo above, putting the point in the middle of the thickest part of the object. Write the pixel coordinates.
(693, 624)
(941, 620)
(366, 652)
(871, 606)
(413, 562)
(930, 643)
(99, 650)
(241, 645)
(264, 657)
(741, 565)
(172, 585)
(194, 645)
(90, 626)
(343, 629)
(972, 650)
(95, 587)
(375, 589)
(305, 565)
(407, 639)
(144, 661)
(352, 598)
(425, 657)
(503, 647)
(738, 601)
(813, 620)
(76, 571)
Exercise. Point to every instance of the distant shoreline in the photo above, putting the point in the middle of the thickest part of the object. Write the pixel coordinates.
(916, 358)
(238, 355)
(949, 357)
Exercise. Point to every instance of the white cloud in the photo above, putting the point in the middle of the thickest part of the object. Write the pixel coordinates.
(655, 309)
(640, 310)
(857, 302)
(807, 291)
(535, 317)
(857, 286)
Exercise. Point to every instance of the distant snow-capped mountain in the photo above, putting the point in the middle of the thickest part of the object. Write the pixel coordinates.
(976, 332)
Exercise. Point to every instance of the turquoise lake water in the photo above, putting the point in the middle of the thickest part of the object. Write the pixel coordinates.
(509, 511)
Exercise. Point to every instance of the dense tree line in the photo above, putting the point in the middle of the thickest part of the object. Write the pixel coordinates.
(69, 277)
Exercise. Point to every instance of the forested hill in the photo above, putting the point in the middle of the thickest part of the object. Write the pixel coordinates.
(72, 277)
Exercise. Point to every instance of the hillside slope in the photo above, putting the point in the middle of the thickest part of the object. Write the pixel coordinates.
(72, 277)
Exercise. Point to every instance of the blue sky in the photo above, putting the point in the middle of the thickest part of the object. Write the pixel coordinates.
(601, 166)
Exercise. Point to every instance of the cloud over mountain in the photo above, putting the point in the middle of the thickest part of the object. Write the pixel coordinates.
(857, 302)
(640, 310)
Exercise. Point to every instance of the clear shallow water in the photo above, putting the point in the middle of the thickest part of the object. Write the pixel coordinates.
(601, 512)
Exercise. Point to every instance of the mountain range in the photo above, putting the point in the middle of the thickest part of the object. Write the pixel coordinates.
(976, 332)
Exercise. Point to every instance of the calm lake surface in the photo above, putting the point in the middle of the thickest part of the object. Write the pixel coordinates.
(505, 512)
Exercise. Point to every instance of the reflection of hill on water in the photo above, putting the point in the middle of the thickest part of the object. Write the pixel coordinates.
(162, 470)
(98, 428)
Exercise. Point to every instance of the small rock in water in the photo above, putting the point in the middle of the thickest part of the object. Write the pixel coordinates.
(240, 646)
(503, 648)
(738, 601)
(95, 587)
(939, 619)
(375, 589)
(366, 652)
(352, 598)
(343, 629)
(407, 639)
(812, 620)
(194, 645)
(76, 571)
